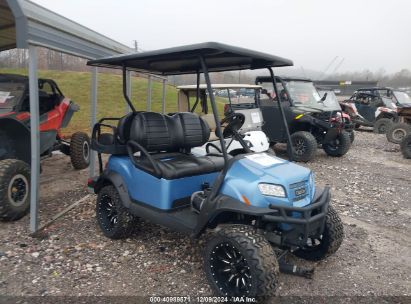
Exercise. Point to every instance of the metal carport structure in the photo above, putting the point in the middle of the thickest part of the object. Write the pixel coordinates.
(26, 25)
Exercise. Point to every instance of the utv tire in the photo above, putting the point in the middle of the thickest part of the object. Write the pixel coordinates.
(352, 136)
(14, 189)
(339, 146)
(304, 146)
(80, 150)
(330, 241)
(237, 255)
(113, 218)
(397, 132)
(382, 125)
(406, 146)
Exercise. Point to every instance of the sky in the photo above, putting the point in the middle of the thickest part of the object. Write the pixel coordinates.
(364, 34)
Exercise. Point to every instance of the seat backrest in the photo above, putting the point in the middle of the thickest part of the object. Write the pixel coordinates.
(157, 132)
(196, 132)
(124, 126)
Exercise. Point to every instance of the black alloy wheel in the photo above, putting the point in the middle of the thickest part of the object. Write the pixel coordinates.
(230, 270)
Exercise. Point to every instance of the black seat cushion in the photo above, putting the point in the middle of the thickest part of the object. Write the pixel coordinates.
(178, 165)
(196, 131)
(124, 126)
(163, 133)
(168, 140)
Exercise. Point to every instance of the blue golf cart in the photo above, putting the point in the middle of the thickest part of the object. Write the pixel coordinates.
(249, 203)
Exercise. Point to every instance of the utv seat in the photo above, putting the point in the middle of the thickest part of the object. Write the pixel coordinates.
(167, 141)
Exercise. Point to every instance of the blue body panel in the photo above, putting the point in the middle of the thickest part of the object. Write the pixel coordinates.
(243, 177)
(242, 180)
(156, 192)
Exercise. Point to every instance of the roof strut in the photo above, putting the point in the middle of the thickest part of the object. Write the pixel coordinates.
(126, 97)
(290, 151)
(197, 93)
(215, 111)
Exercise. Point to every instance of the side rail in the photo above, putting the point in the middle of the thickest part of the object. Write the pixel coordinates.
(106, 143)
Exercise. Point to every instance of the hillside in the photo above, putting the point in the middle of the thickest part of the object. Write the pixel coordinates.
(77, 86)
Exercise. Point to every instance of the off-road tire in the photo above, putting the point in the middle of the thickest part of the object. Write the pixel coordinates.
(256, 251)
(352, 136)
(307, 152)
(80, 150)
(332, 238)
(382, 125)
(125, 222)
(397, 132)
(406, 146)
(14, 171)
(344, 144)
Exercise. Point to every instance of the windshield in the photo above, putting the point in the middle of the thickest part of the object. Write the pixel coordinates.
(237, 96)
(402, 97)
(388, 102)
(10, 94)
(331, 101)
(304, 93)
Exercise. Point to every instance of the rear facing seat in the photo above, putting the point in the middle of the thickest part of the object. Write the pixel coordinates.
(169, 139)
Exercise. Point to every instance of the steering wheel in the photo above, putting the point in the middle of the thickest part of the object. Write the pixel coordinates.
(234, 123)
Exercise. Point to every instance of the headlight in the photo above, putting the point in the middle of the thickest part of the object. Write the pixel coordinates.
(272, 190)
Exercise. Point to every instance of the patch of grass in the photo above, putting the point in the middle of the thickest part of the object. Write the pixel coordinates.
(110, 101)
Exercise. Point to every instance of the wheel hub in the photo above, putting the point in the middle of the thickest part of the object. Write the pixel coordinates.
(399, 134)
(299, 146)
(18, 190)
(108, 212)
(86, 150)
(230, 270)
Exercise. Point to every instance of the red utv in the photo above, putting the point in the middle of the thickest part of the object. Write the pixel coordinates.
(56, 112)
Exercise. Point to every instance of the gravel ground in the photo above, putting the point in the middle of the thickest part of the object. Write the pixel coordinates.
(370, 188)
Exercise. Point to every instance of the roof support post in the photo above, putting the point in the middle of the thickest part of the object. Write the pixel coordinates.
(94, 72)
(219, 133)
(163, 100)
(149, 89)
(128, 84)
(290, 151)
(35, 138)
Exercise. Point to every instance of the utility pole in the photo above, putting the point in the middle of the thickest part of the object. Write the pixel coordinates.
(135, 46)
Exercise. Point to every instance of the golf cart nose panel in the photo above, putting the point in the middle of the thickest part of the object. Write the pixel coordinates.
(245, 174)
(157, 192)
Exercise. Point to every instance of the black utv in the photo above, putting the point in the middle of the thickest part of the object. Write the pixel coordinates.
(311, 121)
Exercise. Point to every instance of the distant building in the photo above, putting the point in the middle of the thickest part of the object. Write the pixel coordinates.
(344, 87)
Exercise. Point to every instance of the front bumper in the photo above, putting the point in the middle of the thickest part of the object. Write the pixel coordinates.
(302, 222)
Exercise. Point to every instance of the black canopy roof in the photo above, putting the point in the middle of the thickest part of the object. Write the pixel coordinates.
(262, 79)
(185, 59)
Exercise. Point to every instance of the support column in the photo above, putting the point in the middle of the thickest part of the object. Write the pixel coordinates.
(93, 116)
(149, 89)
(163, 100)
(128, 80)
(34, 138)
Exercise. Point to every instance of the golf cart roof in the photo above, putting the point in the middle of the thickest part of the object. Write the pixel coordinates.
(185, 59)
(261, 79)
(219, 86)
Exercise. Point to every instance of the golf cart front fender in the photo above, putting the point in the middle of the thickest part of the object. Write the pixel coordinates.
(224, 204)
(115, 179)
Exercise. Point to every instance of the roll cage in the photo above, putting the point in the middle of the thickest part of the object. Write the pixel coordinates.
(22, 103)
